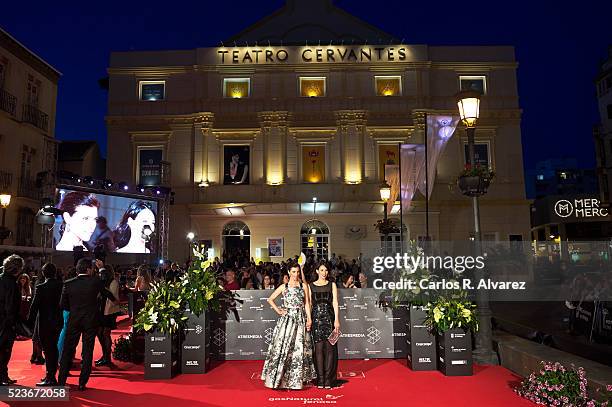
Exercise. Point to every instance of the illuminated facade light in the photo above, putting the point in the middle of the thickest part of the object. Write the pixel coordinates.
(312, 87)
(236, 88)
(388, 85)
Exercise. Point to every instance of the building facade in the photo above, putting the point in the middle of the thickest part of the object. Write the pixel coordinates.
(603, 132)
(254, 131)
(28, 93)
(560, 177)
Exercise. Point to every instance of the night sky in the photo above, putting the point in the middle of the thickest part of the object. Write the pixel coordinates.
(558, 46)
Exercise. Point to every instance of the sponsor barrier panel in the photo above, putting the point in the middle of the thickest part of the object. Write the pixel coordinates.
(243, 329)
(421, 349)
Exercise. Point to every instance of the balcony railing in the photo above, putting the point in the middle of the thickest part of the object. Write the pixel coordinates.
(28, 189)
(6, 180)
(35, 117)
(8, 102)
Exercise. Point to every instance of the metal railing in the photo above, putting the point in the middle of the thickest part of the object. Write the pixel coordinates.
(6, 180)
(35, 117)
(8, 102)
(28, 189)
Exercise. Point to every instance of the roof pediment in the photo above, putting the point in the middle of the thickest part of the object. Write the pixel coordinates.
(312, 21)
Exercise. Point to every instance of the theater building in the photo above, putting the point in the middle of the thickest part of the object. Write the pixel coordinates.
(292, 109)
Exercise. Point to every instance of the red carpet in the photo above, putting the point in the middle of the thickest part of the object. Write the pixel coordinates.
(367, 383)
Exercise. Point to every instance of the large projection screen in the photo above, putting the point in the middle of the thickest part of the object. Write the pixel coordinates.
(95, 222)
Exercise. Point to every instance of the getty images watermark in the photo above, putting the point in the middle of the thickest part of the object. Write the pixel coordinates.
(457, 264)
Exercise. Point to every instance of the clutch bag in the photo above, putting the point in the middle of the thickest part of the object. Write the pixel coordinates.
(333, 337)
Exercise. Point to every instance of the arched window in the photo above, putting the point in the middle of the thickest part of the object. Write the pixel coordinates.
(236, 228)
(314, 238)
(236, 243)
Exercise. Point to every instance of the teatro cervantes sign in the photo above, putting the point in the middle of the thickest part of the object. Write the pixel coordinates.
(313, 54)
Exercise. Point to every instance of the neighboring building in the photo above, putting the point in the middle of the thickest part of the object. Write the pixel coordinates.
(574, 228)
(560, 177)
(603, 132)
(28, 93)
(302, 109)
(81, 158)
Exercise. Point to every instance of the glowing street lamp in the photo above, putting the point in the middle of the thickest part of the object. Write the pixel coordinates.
(468, 102)
(385, 195)
(190, 236)
(5, 201)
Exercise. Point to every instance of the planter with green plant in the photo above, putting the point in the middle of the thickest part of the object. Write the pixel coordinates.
(453, 321)
(162, 319)
(201, 292)
(474, 180)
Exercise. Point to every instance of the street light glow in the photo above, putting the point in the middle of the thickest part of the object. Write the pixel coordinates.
(469, 107)
(385, 192)
(5, 200)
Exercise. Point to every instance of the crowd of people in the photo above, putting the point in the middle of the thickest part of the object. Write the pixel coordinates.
(238, 271)
(54, 306)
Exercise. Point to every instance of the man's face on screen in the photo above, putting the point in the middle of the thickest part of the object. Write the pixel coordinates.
(82, 223)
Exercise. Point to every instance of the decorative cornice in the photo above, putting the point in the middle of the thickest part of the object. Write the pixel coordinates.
(274, 118)
(28, 57)
(312, 135)
(160, 71)
(206, 119)
(161, 119)
(236, 136)
(140, 137)
(150, 71)
(351, 117)
(391, 134)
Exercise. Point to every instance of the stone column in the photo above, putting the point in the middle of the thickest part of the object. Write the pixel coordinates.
(203, 144)
(351, 131)
(274, 130)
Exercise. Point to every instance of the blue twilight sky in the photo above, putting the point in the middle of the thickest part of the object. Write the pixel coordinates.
(559, 46)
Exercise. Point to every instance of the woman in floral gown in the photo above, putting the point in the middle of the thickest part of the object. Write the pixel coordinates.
(289, 363)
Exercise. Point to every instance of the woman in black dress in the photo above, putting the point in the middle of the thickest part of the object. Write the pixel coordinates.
(324, 302)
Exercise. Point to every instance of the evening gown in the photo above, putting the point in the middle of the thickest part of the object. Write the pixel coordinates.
(289, 363)
(326, 354)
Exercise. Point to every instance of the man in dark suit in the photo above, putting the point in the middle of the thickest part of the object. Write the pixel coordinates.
(46, 305)
(80, 297)
(9, 312)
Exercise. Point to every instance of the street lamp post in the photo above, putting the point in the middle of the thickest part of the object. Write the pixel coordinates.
(469, 111)
(385, 195)
(5, 201)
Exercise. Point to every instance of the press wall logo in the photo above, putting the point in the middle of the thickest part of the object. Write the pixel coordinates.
(373, 335)
(219, 337)
(249, 337)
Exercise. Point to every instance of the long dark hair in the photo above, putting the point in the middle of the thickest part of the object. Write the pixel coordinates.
(71, 200)
(122, 232)
(315, 275)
